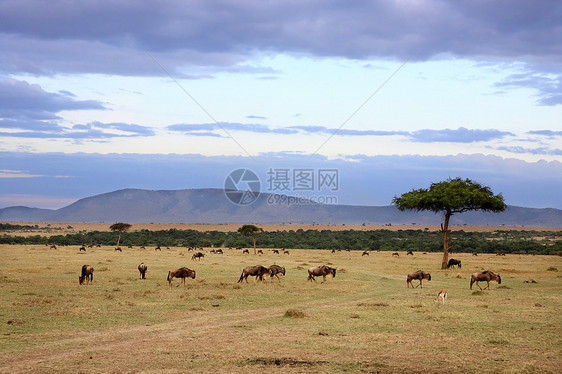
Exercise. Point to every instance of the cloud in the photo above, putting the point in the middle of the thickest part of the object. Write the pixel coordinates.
(52, 130)
(534, 151)
(548, 133)
(460, 135)
(67, 37)
(255, 117)
(547, 86)
(4, 173)
(23, 101)
(194, 129)
(347, 132)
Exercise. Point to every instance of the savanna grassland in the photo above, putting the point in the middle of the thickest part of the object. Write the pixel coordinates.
(363, 320)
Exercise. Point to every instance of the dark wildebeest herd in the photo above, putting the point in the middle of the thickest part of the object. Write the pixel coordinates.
(260, 271)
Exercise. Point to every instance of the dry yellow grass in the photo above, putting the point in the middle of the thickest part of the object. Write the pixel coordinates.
(364, 320)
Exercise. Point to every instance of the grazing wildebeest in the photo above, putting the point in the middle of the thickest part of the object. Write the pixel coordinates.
(475, 253)
(276, 270)
(219, 251)
(142, 270)
(180, 273)
(212, 251)
(500, 254)
(333, 251)
(260, 252)
(130, 246)
(118, 249)
(52, 246)
(485, 276)
(257, 271)
(197, 255)
(365, 253)
(82, 248)
(395, 254)
(322, 270)
(87, 274)
(285, 251)
(142, 247)
(275, 251)
(90, 246)
(245, 251)
(421, 275)
(158, 248)
(452, 262)
(410, 253)
(530, 280)
(239, 248)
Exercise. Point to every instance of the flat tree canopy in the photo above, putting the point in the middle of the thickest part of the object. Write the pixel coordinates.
(120, 227)
(450, 197)
(250, 230)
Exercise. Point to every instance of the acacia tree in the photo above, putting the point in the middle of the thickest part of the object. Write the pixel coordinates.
(450, 197)
(250, 230)
(120, 227)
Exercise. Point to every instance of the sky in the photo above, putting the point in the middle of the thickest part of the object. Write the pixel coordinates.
(393, 95)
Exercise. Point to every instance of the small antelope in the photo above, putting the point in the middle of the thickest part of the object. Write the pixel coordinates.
(441, 295)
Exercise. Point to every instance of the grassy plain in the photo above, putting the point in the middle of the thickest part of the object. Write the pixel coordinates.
(363, 320)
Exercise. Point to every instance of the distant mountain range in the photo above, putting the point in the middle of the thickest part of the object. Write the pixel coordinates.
(212, 206)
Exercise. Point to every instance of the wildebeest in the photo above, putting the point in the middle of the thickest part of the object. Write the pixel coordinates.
(395, 254)
(197, 255)
(219, 251)
(158, 248)
(260, 252)
(82, 248)
(485, 276)
(276, 270)
(180, 273)
(87, 274)
(475, 253)
(333, 251)
(245, 251)
(285, 251)
(322, 270)
(52, 246)
(257, 271)
(142, 247)
(130, 246)
(142, 270)
(530, 280)
(118, 249)
(421, 275)
(276, 251)
(452, 262)
(410, 253)
(365, 253)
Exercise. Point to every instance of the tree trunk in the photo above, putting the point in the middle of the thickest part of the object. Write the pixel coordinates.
(119, 238)
(254, 238)
(445, 230)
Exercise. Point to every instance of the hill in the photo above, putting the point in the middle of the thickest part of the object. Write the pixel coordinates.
(212, 206)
